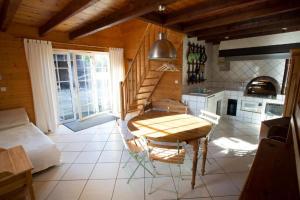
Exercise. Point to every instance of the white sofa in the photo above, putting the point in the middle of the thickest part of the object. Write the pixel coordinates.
(16, 129)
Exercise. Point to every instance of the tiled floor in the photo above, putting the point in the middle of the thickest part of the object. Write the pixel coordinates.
(92, 167)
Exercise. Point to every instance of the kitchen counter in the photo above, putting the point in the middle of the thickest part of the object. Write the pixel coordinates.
(217, 101)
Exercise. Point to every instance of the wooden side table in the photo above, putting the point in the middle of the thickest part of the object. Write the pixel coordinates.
(15, 174)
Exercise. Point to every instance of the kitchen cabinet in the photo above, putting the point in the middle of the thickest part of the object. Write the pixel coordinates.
(211, 104)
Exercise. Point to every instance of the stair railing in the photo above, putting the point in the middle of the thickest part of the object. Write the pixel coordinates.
(137, 71)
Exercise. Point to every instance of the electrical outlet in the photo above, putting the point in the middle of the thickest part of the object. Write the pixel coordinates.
(3, 89)
(176, 81)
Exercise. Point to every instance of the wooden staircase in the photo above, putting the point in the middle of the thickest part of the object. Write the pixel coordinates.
(141, 78)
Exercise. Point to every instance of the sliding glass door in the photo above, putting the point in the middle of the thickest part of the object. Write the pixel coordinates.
(65, 89)
(83, 82)
(87, 92)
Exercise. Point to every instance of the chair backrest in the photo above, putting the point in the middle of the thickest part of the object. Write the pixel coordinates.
(169, 105)
(211, 117)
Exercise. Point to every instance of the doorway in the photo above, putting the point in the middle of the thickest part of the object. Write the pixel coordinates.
(83, 84)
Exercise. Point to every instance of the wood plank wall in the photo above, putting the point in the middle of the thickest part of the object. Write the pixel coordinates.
(132, 33)
(14, 70)
(13, 65)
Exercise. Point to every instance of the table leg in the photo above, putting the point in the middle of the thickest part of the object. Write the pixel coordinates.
(195, 144)
(204, 155)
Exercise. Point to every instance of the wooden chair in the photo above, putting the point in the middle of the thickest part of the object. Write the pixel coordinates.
(167, 105)
(134, 148)
(212, 118)
(166, 152)
(15, 174)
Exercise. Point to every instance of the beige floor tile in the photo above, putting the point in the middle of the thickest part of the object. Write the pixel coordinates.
(186, 190)
(125, 172)
(94, 146)
(78, 172)
(115, 137)
(226, 198)
(131, 191)
(162, 188)
(211, 167)
(61, 129)
(110, 156)
(98, 189)
(52, 173)
(105, 171)
(88, 157)
(100, 137)
(67, 190)
(236, 164)
(78, 146)
(115, 145)
(220, 185)
(42, 189)
(238, 179)
(69, 157)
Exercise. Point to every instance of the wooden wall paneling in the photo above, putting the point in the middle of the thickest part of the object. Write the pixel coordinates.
(13, 64)
(293, 85)
(15, 76)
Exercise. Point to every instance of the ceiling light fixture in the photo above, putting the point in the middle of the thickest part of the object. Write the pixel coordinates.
(162, 49)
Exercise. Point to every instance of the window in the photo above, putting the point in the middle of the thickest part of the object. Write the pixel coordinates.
(83, 82)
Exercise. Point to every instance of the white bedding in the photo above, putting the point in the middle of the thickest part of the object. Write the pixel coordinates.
(42, 152)
(13, 118)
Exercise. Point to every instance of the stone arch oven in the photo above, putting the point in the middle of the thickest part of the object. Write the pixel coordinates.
(262, 86)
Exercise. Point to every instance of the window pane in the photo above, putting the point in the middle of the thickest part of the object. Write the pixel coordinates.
(63, 75)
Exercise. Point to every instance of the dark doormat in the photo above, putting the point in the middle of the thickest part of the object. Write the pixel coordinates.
(90, 122)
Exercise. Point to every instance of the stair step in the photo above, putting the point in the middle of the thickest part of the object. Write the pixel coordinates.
(150, 81)
(153, 74)
(143, 95)
(154, 77)
(141, 98)
(146, 89)
(147, 85)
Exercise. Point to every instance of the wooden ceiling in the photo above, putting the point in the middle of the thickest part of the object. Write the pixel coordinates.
(210, 20)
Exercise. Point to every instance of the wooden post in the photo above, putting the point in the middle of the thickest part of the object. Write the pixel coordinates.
(122, 101)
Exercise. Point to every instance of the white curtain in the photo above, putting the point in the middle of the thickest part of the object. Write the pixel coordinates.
(116, 57)
(39, 57)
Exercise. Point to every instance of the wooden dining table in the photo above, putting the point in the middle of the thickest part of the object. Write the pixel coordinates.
(174, 127)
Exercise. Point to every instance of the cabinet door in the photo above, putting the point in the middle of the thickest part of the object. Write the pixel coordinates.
(211, 104)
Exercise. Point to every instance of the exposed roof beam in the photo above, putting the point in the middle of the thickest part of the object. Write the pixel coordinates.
(71, 9)
(8, 11)
(253, 33)
(265, 11)
(158, 19)
(280, 21)
(210, 8)
(133, 10)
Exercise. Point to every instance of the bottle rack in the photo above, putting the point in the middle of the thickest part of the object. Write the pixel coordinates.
(196, 58)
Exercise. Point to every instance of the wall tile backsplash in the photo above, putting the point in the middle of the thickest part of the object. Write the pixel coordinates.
(241, 72)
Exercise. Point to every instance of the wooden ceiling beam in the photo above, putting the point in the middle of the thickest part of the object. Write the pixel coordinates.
(252, 33)
(209, 8)
(268, 10)
(133, 10)
(279, 21)
(8, 11)
(71, 9)
(156, 18)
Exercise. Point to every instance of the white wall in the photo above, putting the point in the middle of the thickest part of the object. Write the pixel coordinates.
(275, 39)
